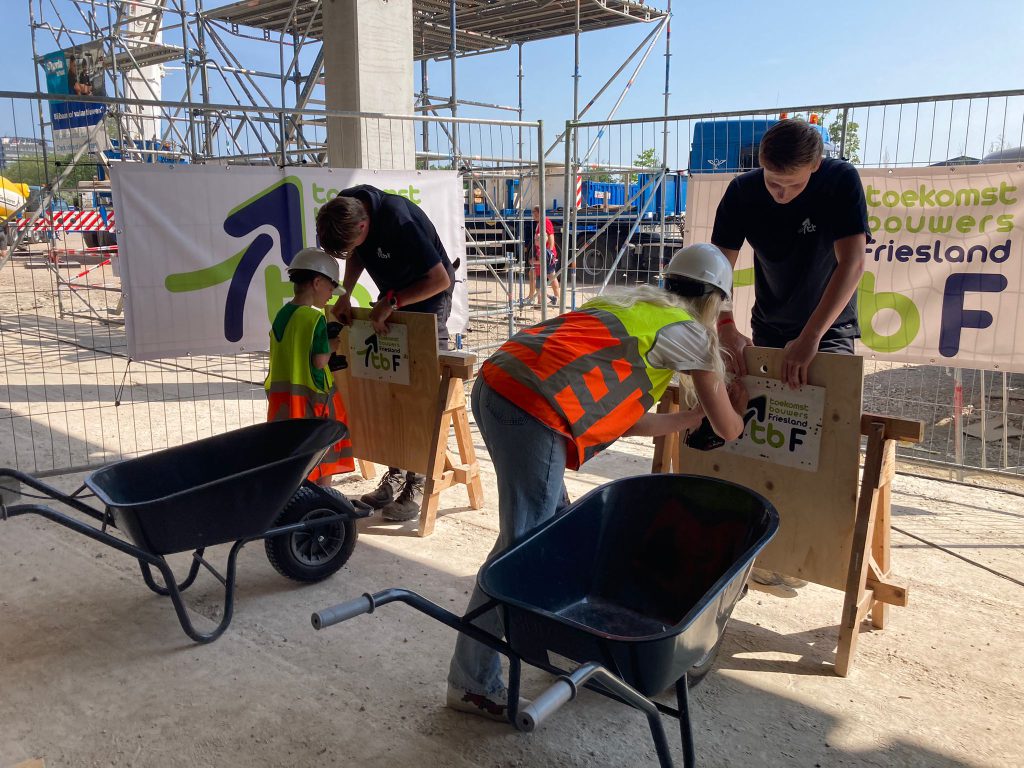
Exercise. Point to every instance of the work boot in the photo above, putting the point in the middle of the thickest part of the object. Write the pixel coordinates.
(775, 583)
(407, 505)
(385, 492)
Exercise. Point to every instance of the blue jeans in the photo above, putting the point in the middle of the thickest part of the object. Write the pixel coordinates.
(529, 460)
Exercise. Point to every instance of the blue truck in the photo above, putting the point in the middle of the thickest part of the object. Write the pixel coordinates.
(630, 214)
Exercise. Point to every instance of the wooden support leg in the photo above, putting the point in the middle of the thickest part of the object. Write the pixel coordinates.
(451, 396)
(666, 447)
(880, 544)
(367, 469)
(467, 456)
(858, 597)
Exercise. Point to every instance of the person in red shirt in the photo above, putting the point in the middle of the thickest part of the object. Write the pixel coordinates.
(550, 252)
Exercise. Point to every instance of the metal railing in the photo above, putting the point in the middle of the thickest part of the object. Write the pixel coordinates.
(974, 420)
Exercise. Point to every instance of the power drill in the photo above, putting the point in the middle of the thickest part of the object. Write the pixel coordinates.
(337, 362)
(704, 437)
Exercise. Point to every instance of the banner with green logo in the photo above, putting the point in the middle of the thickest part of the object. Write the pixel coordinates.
(943, 281)
(204, 250)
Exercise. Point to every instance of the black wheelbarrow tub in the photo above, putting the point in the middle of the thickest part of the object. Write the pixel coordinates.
(212, 491)
(640, 575)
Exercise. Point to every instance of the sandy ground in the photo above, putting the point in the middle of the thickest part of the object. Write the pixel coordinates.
(94, 670)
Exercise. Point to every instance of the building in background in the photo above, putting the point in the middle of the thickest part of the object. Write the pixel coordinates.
(14, 148)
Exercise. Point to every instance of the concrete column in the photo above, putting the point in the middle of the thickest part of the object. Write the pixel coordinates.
(368, 68)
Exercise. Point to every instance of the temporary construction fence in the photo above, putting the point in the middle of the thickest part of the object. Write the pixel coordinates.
(70, 397)
(974, 419)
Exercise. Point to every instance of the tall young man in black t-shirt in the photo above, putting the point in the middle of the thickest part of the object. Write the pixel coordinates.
(394, 241)
(806, 219)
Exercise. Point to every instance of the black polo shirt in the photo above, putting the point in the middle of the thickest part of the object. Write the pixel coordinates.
(794, 253)
(401, 246)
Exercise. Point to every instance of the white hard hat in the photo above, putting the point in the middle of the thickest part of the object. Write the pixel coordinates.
(703, 263)
(315, 260)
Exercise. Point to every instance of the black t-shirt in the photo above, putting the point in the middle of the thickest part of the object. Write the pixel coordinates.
(794, 253)
(401, 246)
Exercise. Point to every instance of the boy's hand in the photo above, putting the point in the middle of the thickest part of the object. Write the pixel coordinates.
(341, 310)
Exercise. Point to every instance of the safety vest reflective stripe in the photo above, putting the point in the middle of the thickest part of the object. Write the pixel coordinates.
(584, 374)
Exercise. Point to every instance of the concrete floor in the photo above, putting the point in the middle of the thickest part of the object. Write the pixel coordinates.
(94, 670)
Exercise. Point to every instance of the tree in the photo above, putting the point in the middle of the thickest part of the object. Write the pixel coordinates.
(646, 159)
(600, 173)
(32, 171)
(835, 134)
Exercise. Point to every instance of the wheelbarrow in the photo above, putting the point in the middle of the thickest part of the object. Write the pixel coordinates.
(628, 592)
(241, 486)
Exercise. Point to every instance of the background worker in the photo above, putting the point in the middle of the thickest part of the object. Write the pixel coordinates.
(806, 219)
(558, 393)
(299, 384)
(394, 241)
(543, 248)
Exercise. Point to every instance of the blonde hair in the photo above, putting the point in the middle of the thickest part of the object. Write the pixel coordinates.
(703, 309)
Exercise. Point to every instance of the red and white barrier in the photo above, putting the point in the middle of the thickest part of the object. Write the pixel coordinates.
(71, 221)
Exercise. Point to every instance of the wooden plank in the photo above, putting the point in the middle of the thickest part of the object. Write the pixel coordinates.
(467, 454)
(438, 449)
(36, 763)
(817, 510)
(857, 597)
(904, 430)
(395, 424)
(666, 447)
(880, 545)
(459, 364)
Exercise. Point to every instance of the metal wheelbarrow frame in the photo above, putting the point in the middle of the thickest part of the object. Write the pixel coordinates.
(240, 486)
(662, 560)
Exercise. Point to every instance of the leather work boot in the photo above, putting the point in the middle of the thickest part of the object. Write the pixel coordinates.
(386, 490)
(407, 505)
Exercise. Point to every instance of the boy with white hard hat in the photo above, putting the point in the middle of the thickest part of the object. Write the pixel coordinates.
(300, 384)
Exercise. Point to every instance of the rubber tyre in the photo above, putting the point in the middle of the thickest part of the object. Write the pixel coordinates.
(592, 266)
(315, 554)
(700, 670)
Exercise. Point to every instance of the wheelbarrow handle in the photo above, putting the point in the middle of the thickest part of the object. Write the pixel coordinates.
(533, 715)
(343, 611)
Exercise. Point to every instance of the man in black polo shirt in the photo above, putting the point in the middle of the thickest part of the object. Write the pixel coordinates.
(394, 241)
(806, 219)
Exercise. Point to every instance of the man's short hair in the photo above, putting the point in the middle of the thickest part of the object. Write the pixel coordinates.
(790, 144)
(337, 224)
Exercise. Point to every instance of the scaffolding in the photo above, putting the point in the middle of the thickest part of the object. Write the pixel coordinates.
(144, 40)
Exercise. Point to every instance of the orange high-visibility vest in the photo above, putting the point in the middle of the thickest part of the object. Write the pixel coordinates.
(585, 374)
(292, 393)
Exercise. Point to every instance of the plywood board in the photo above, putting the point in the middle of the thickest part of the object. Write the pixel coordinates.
(817, 509)
(391, 423)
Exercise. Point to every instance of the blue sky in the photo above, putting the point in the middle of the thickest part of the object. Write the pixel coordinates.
(743, 54)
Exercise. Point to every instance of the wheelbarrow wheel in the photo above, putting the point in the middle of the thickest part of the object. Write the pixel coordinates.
(314, 554)
(700, 670)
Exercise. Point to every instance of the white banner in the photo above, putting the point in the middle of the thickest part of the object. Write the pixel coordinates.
(943, 281)
(203, 248)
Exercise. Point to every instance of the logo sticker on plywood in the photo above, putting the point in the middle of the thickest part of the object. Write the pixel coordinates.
(782, 425)
(383, 357)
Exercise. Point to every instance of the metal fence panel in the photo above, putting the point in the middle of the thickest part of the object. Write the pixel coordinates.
(70, 397)
(973, 419)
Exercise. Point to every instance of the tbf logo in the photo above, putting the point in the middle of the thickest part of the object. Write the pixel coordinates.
(278, 208)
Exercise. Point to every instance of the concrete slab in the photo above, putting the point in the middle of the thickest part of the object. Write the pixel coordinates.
(94, 670)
